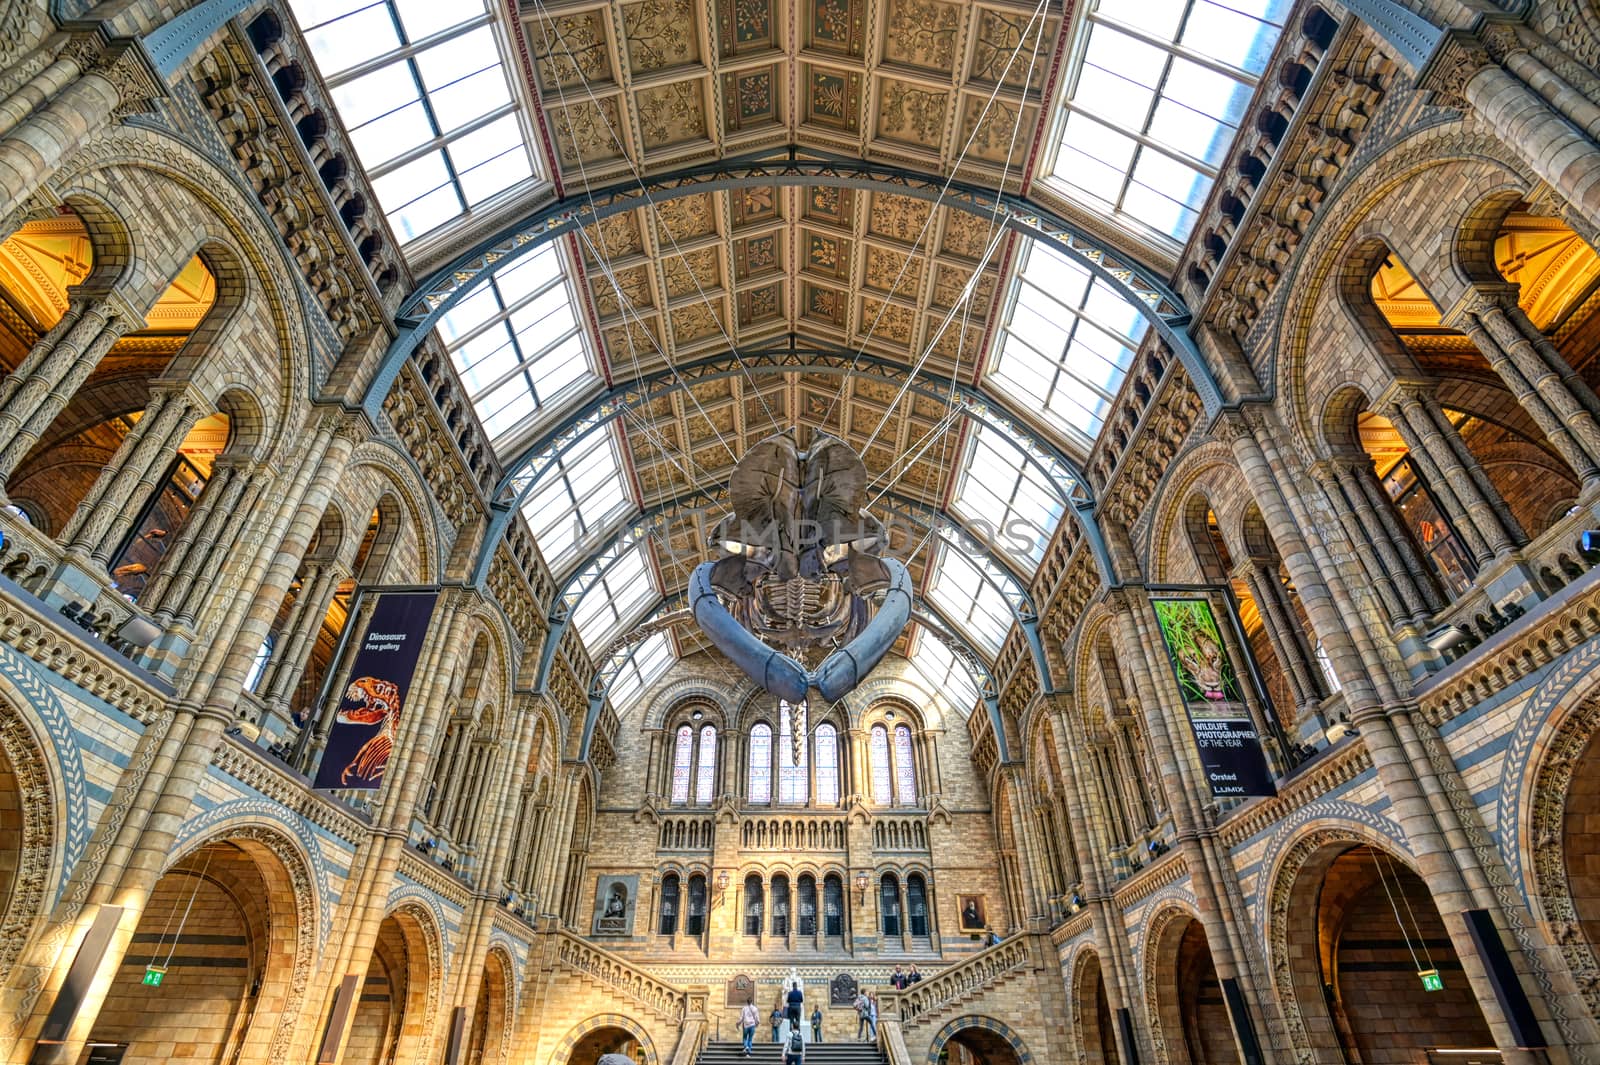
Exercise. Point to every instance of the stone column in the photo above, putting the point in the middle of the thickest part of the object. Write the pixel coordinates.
(223, 475)
(207, 559)
(44, 86)
(1539, 389)
(1412, 411)
(1283, 632)
(120, 79)
(53, 371)
(299, 635)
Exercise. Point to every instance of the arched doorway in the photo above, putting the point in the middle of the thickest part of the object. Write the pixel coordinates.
(27, 835)
(1362, 932)
(209, 975)
(1097, 1041)
(491, 1015)
(393, 1016)
(587, 1051)
(1184, 994)
(979, 1041)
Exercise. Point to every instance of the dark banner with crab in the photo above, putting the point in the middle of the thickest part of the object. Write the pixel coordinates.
(1224, 733)
(368, 719)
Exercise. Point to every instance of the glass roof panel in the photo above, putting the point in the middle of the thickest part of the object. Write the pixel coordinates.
(1006, 501)
(617, 600)
(1067, 343)
(960, 590)
(427, 97)
(580, 498)
(518, 345)
(1155, 102)
(941, 671)
(652, 658)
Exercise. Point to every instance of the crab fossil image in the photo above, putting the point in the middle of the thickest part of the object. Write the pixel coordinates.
(800, 573)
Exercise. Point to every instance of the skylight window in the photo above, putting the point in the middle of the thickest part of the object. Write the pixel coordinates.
(426, 95)
(1005, 500)
(1157, 100)
(1068, 341)
(941, 671)
(517, 344)
(652, 659)
(968, 599)
(616, 600)
(578, 500)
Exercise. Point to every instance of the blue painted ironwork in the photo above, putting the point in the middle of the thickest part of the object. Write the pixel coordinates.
(1412, 36)
(1140, 285)
(525, 469)
(171, 44)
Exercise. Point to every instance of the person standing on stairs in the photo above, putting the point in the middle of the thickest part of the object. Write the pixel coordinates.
(747, 1022)
(796, 1010)
(816, 1025)
(794, 1051)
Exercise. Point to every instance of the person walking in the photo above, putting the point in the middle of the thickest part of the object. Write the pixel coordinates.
(794, 1051)
(872, 1017)
(797, 1007)
(861, 1013)
(748, 1019)
(777, 1016)
(816, 1025)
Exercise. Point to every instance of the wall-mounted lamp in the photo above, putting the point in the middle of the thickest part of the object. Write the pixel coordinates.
(861, 887)
(1075, 903)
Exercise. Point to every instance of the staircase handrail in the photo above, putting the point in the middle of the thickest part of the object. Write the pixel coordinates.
(622, 975)
(977, 972)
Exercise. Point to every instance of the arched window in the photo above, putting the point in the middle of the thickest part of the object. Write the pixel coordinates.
(808, 905)
(682, 753)
(917, 903)
(792, 768)
(827, 765)
(832, 906)
(258, 664)
(878, 758)
(905, 769)
(694, 922)
(780, 906)
(753, 910)
(706, 770)
(889, 904)
(669, 905)
(760, 786)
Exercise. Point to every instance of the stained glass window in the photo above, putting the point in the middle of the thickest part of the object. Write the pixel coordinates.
(706, 771)
(760, 789)
(792, 789)
(878, 757)
(682, 750)
(827, 765)
(905, 769)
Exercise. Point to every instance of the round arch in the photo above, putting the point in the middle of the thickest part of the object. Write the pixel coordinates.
(562, 1055)
(986, 1032)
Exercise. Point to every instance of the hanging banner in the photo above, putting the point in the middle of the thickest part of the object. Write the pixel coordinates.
(1224, 733)
(368, 719)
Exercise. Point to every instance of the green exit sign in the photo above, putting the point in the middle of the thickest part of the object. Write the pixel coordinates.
(153, 975)
(1431, 980)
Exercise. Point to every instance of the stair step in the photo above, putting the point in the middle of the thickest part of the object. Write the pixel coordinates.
(816, 1054)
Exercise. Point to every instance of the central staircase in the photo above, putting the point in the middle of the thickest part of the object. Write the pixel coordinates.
(772, 1053)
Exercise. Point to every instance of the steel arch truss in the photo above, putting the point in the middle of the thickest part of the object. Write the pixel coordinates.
(1139, 285)
(524, 470)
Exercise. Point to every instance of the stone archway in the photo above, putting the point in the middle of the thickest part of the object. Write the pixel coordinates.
(1189, 1018)
(606, 1033)
(393, 1022)
(978, 1041)
(1092, 1021)
(27, 834)
(489, 1037)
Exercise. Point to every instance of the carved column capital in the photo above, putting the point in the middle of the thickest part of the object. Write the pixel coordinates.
(124, 64)
(1453, 64)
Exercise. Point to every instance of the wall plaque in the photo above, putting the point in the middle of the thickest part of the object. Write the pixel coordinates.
(740, 989)
(842, 990)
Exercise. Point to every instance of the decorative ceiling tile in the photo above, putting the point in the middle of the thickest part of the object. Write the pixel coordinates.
(950, 281)
(912, 113)
(693, 273)
(949, 344)
(898, 217)
(765, 408)
(997, 136)
(614, 237)
(827, 304)
(833, 98)
(999, 35)
(892, 271)
(757, 255)
(826, 204)
(635, 338)
(589, 131)
(886, 321)
(838, 26)
(750, 98)
(826, 255)
(820, 409)
(634, 285)
(672, 114)
(922, 34)
(661, 34)
(685, 218)
(761, 304)
(571, 50)
(966, 234)
(695, 321)
(745, 26)
(760, 204)
(707, 423)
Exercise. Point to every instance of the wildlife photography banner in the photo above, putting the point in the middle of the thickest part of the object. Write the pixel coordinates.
(1224, 734)
(368, 719)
